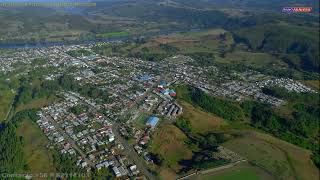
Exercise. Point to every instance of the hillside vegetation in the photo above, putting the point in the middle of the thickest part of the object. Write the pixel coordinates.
(285, 40)
(300, 127)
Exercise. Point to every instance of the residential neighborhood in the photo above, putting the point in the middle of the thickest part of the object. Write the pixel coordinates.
(113, 130)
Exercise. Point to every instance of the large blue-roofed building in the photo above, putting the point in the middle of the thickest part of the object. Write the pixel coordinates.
(152, 121)
(144, 78)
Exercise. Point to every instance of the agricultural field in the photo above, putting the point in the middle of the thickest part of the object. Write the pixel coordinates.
(275, 156)
(38, 157)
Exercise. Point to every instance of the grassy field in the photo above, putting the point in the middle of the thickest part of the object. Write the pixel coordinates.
(39, 159)
(201, 121)
(141, 120)
(275, 156)
(114, 34)
(314, 84)
(203, 33)
(253, 59)
(6, 98)
(203, 41)
(168, 142)
(242, 173)
(166, 173)
(37, 103)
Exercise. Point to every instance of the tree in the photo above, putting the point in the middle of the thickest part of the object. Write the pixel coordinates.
(184, 125)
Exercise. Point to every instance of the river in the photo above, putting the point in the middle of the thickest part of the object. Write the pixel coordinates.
(113, 39)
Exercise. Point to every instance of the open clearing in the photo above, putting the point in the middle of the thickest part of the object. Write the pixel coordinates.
(215, 32)
(253, 59)
(282, 159)
(314, 84)
(37, 103)
(38, 158)
(201, 121)
(203, 41)
(240, 172)
(168, 142)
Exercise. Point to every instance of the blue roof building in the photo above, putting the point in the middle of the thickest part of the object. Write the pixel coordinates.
(144, 78)
(162, 84)
(152, 121)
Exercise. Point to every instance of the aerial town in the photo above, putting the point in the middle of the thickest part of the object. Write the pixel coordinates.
(101, 132)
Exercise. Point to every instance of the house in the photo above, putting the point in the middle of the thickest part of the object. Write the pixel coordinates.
(169, 92)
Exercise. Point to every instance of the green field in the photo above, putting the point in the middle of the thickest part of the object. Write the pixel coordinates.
(207, 41)
(168, 142)
(142, 118)
(277, 157)
(39, 159)
(6, 98)
(36, 103)
(201, 121)
(253, 59)
(238, 174)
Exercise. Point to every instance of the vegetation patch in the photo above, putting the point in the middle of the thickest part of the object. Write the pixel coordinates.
(315, 84)
(11, 150)
(79, 53)
(38, 157)
(113, 34)
(223, 108)
(169, 142)
(201, 121)
(275, 156)
(284, 38)
(6, 98)
(141, 120)
(238, 174)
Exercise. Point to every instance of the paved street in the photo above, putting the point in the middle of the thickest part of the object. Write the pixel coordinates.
(132, 154)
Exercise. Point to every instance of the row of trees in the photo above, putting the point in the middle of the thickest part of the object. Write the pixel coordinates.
(203, 147)
(11, 150)
(224, 108)
(39, 89)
